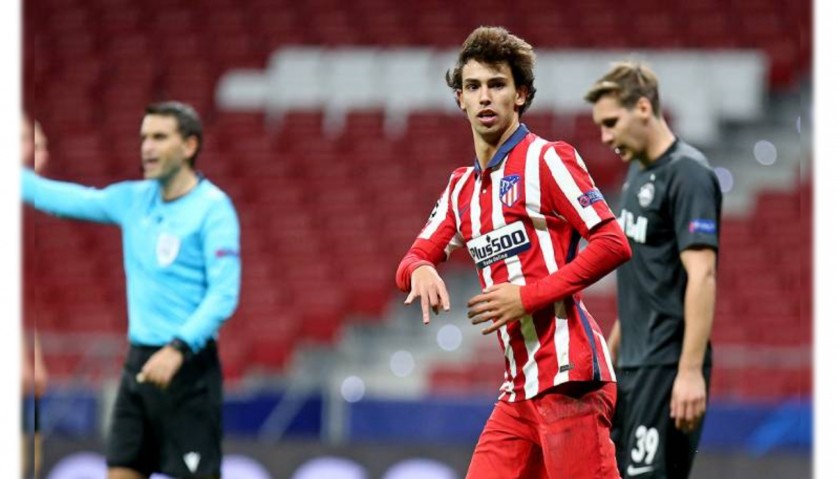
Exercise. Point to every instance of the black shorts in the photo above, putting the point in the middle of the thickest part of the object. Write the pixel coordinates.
(647, 443)
(177, 430)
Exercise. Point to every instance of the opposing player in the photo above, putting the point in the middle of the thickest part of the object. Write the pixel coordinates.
(181, 256)
(670, 211)
(521, 211)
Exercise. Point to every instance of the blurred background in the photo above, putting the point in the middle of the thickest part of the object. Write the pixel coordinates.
(329, 124)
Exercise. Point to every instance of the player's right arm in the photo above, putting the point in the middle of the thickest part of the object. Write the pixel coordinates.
(614, 341)
(571, 194)
(417, 274)
(71, 200)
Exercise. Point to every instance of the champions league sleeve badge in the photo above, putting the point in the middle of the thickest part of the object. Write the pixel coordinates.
(168, 246)
(509, 190)
(589, 197)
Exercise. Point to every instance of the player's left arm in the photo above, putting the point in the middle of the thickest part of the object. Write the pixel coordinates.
(696, 200)
(223, 267)
(571, 194)
(689, 399)
(224, 272)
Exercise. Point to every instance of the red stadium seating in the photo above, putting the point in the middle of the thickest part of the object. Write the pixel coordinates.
(341, 211)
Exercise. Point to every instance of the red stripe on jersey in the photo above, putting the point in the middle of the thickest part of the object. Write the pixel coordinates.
(546, 357)
(603, 358)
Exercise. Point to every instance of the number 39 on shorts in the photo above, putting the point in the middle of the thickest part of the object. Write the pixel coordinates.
(646, 445)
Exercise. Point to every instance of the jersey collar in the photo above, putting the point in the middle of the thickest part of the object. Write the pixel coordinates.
(665, 157)
(502, 152)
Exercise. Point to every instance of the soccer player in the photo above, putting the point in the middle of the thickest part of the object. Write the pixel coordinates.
(181, 256)
(670, 211)
(521, 210)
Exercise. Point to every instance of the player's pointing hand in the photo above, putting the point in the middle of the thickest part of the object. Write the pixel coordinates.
(427, 285)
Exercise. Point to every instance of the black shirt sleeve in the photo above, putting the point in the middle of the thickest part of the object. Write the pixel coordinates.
(696, 200)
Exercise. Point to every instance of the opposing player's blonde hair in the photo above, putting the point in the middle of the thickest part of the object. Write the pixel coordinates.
(629, 81)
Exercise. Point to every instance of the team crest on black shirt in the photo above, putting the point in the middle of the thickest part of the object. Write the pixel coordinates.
(646, 194)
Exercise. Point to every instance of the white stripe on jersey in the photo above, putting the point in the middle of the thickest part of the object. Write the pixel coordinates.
(438, 215)
(569, 186)
(458, 188)
(475, 217)
(606, 354)
(514, 273)
(534, 204)
(562, 343)
(515, 276)
(533, 193)
(582, 163)
(530, 368)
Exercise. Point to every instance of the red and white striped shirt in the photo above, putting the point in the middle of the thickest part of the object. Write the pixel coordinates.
(522, 219)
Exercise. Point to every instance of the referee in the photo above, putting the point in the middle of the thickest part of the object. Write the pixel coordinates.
(180, 238)
(670, 212)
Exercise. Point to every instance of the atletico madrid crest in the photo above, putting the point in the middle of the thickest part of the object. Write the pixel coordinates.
(509, 191)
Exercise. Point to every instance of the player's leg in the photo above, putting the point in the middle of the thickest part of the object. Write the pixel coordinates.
(575, 422)
(37, 441)
(190, 421)
(131, 448)
(682, 447)
(646, 423)
(655, 449)
(620, 436)
(24, 441)
(124, 473)
(508, 447)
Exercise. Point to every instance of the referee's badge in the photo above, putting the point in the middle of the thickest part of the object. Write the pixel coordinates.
(646, 194)
(168, 246)
(509, 190)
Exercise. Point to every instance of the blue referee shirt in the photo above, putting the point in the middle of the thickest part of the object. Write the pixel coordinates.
(181, 257)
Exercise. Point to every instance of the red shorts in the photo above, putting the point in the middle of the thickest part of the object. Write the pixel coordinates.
(562, 433)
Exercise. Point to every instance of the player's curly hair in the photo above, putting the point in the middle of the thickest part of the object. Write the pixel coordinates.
(629, 81)
(496, 46)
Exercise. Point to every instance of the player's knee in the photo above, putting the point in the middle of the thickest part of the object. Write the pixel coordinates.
(124, 473)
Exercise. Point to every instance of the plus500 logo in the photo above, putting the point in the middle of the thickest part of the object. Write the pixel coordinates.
(498, 245)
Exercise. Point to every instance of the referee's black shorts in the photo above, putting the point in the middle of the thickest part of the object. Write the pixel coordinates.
(177, 430)
(647, 443)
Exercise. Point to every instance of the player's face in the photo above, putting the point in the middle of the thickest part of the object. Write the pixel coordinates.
(27, 146)
(42, 153)
(621, 129)
(163, 150)
(490, 99)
